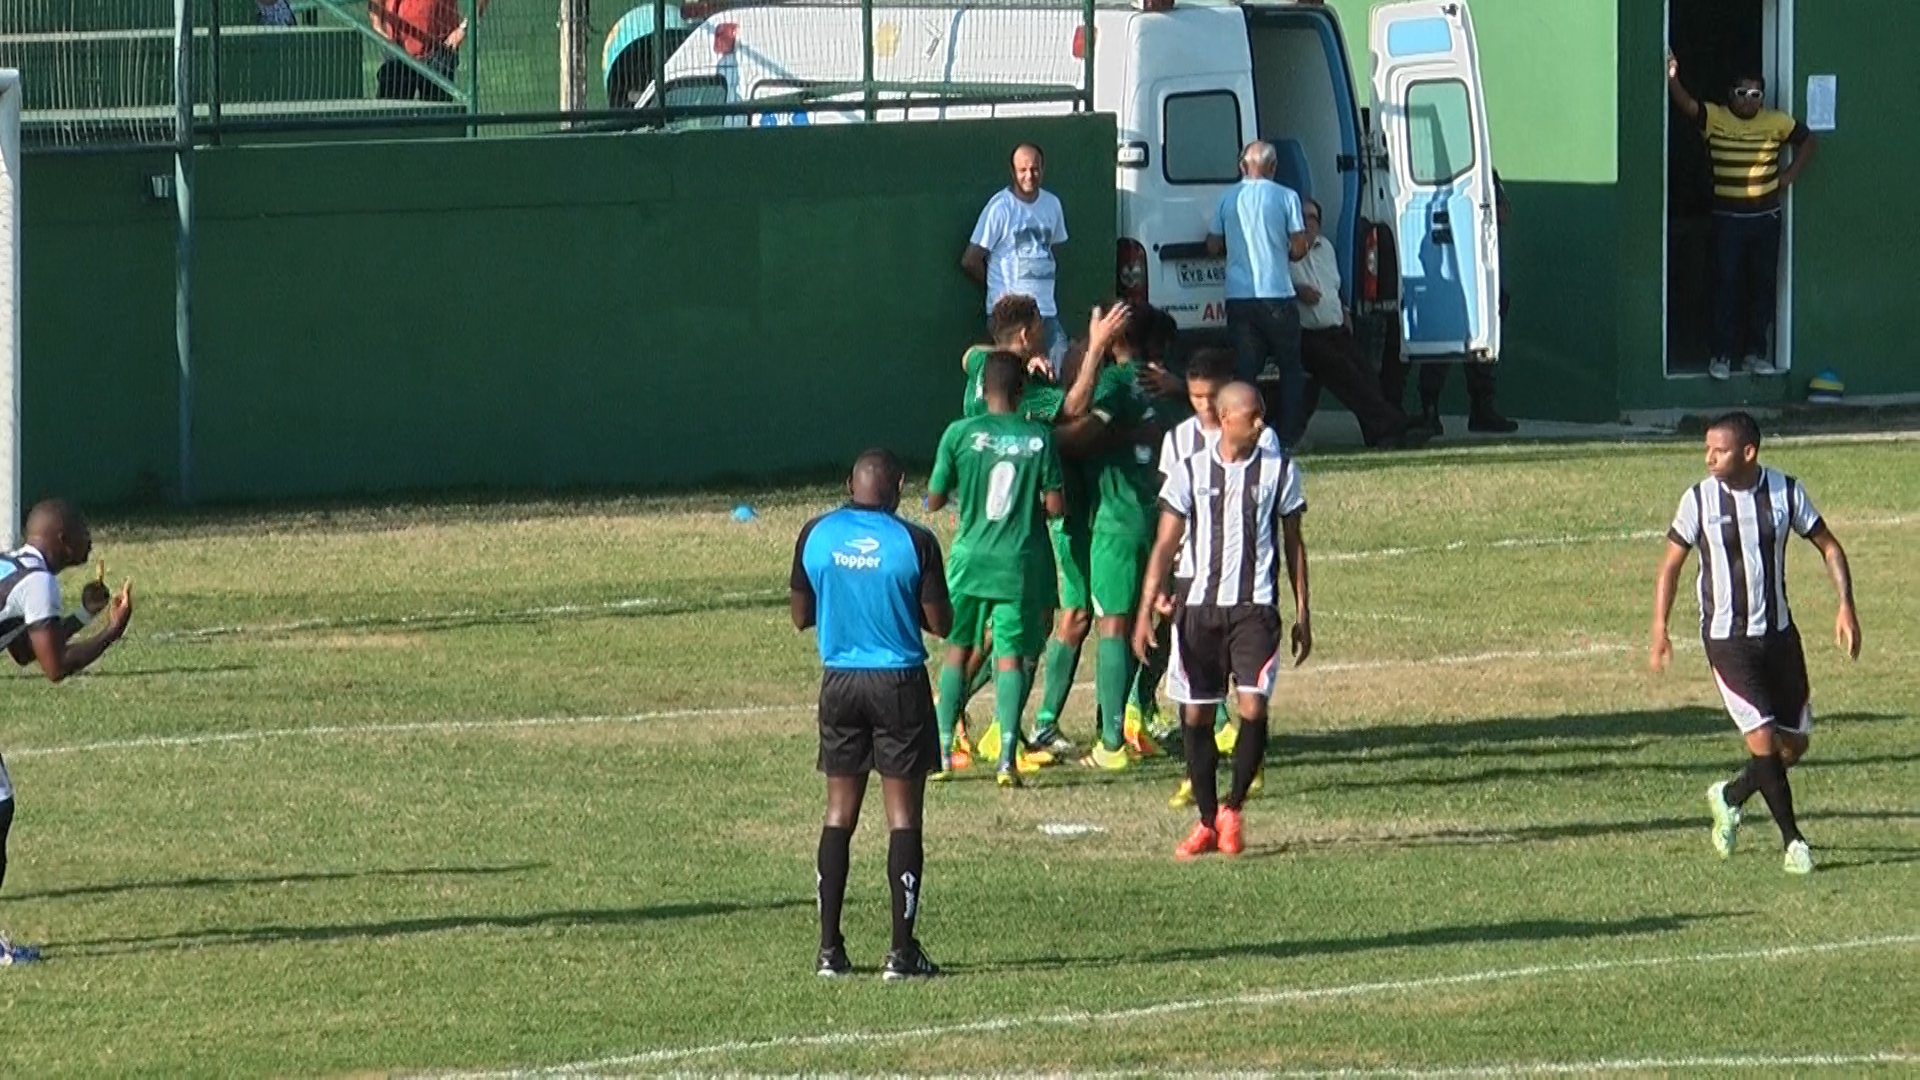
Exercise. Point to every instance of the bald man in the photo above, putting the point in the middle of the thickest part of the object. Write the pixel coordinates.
(31, 625)
(872, 583)
(1224, 600)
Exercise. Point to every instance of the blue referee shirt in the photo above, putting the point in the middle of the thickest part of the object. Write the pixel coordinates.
(868, 572)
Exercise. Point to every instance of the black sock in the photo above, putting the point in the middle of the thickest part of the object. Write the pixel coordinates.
(831, 881)
(6, 826)
(1741, 788)
(1202, 759)
(1249, 750)
(1774, 789)
(904, 867)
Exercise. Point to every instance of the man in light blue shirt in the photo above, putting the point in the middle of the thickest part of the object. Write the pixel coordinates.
(1259, 227)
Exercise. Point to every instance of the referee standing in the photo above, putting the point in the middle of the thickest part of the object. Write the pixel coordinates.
(871, 583)
(1241, 502)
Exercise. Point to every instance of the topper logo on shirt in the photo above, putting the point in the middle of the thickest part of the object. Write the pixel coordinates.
(864, 560)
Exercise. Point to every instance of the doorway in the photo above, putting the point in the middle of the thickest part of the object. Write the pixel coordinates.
(1715, 41)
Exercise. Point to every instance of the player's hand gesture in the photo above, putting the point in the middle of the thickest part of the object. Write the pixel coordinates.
(122, 609)
(1104, 327)
(1661, 654)
(1302, 641)
(94, 595)
(1143, 635)
(1846, 631)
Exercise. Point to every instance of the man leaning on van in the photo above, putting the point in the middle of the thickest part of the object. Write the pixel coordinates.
(1259, 226)
(1012, 247)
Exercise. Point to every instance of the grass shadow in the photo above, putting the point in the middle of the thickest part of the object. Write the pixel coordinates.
(1535, 834)
(249, 880)
(373, 931)
(1524, 930)
(1590, 770)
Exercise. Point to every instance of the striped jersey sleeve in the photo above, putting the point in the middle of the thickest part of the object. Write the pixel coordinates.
(1806, 519)
(1293, 491)
(1685, 529)
(1176, 493)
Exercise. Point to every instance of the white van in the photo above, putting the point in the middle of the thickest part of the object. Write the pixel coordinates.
(1190, 82)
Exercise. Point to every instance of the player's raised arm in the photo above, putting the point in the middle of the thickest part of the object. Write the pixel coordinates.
(57, 654)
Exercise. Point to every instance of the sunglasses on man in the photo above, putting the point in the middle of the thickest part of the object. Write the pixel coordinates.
(1747, 93)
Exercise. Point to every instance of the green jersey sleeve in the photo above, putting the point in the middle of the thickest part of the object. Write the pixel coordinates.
(945, 463)
(974, 402)
(1050, 472)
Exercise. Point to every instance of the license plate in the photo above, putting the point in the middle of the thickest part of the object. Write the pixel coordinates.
(1201, 274)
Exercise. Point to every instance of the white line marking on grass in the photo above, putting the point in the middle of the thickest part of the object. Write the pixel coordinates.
(350, 622)
(1258, 1000)
(441, 727)
(1417, 1072)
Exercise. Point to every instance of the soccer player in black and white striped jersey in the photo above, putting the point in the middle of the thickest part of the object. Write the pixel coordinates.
(1241, 503)
(1739, 517)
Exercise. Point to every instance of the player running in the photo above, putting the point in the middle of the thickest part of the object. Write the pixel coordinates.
(1003, 474)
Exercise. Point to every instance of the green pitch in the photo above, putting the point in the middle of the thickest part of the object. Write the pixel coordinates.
(477, 788)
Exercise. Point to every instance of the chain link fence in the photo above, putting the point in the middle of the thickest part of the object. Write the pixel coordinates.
(103, 74)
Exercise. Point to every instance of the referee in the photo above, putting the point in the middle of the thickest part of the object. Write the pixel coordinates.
(871, 583)
(1241, 501)
(1741, 517)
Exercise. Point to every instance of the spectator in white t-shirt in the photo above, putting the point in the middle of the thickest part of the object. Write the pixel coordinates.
(1014, 244)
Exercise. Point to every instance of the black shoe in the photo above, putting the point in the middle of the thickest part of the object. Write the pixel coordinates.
(908, 963)
(1413, 436)
(1492, 423)
(834, 962)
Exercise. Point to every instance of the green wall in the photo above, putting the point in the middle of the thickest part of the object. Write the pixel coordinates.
(552, 312)
(1548, 69)
(1853, 286)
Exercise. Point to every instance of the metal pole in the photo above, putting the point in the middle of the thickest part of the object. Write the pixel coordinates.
(10, 356)
(183, 245)
(1086, 78)
(657, 52)
(573, 55)
(866, 54)
(213, 59)
(473, 64)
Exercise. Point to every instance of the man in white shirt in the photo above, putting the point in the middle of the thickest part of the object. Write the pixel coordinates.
(1330, 354)
(57, 537)
(1014, 242)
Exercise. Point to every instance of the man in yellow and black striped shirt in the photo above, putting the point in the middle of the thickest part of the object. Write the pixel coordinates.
(1744, 141)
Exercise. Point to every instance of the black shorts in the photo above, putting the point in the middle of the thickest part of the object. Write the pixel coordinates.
(878, 720)
(1211, 644)
(1763, 680)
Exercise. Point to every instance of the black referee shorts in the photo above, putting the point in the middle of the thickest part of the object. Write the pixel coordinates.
(878, 720)
(1211, 644)
(1763, 680)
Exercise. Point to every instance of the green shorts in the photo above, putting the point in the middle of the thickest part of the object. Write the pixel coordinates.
(1116, 570)
(1071, 555)
(1019, 629)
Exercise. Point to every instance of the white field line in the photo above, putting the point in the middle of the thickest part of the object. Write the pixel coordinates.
(1416, 1072)
(630, 603)
(1258, 1000)
(443, 727)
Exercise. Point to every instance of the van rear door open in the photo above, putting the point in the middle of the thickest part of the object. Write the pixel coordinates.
(1428, 105)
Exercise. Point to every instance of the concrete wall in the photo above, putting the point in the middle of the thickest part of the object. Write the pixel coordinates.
(538, 313)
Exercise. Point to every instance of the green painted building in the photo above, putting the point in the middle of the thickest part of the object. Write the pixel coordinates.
(1608, 253)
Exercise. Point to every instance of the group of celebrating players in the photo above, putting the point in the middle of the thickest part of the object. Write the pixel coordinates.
(1057, 480)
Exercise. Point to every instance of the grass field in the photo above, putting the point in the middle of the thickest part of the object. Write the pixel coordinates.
(512, 787)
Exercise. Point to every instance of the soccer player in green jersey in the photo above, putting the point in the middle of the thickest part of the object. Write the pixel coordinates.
(1016, 327)
(1003, 474)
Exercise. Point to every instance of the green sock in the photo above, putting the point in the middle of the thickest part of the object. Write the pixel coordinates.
(1147, 684)
(1010, 688)
(979, 682)
(1110, 682)
(1062, 661)
(953, 681)
(1221, 717)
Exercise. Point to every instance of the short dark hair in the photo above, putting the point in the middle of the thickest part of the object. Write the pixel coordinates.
(1213, 364)
(1149, 330)
(1308, 200)
(1753, 77)
(1010, 313)
(1742, 424)
(1004, 375)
